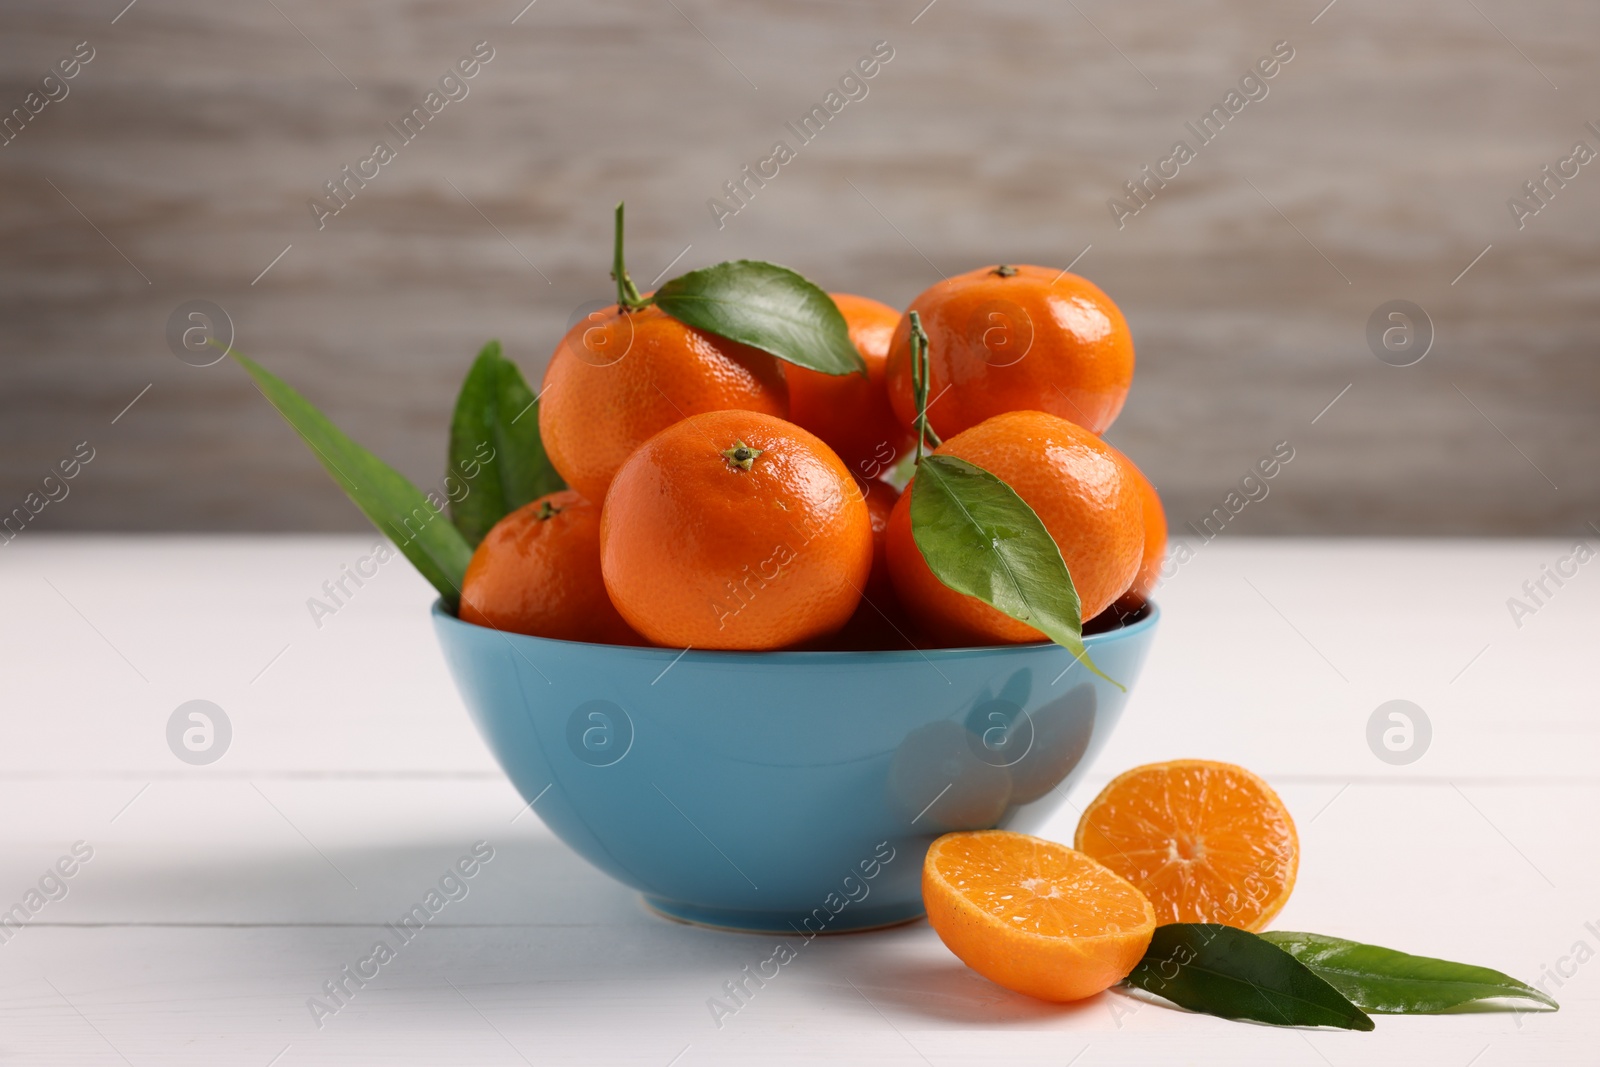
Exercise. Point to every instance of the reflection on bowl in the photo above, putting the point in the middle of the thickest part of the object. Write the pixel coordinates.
(794, 792)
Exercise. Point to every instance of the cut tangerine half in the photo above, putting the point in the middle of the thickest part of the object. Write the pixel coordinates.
(1207, 842)
(1034, 916)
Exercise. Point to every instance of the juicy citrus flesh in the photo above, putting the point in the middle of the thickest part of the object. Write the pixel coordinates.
(537, 571)
(618, 377)
(1205, 841)
(1014, 339)
(735, 530)
(1081, 490)
(851, 412)
(1034, 916)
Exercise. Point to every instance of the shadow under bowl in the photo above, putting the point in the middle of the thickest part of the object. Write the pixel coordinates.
(791, 792)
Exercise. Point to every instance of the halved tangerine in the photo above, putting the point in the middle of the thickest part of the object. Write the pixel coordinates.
(1207, 842)
(1034, 916)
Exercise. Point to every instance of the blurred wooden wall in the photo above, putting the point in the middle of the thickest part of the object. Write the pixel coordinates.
(180, 161)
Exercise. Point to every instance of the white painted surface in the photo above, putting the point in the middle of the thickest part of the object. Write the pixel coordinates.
(220, 898)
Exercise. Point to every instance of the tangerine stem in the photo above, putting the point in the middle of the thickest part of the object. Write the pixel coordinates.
(741, 456)
(919, 384)
(627, 293)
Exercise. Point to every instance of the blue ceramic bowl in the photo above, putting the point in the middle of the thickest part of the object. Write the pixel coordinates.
(785, 791)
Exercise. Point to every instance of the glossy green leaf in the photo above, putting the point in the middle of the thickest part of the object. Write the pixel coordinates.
(497, 461)
(1228, 972)
(768, 307)
(1384, 980)
(982, 539)
(396, 507)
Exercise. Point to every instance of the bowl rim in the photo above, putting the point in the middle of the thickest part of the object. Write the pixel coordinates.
(807, 656)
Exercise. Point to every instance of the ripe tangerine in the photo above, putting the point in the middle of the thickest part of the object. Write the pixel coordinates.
(735, 530)
(1015, 339)
(1080, 489)
(537, 571)
(620, 376)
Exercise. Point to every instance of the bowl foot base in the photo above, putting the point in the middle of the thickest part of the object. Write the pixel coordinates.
(851, 920)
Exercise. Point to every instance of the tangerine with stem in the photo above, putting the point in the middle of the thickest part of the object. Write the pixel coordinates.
(629, 371)
(735, 530)
(537, 571)
(1015, 338)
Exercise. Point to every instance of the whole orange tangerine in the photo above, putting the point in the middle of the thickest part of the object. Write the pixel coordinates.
(1078, 486)
(735, 530)
(1015, 339)
(537, 571)
(620, 376)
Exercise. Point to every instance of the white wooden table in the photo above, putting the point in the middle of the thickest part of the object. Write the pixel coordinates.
(220, 898)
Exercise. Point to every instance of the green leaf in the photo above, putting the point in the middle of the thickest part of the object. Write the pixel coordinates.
(1228, 972)
(980, 538)
(768, 307)
(1398, 983)
(395, 506)
(495, 448)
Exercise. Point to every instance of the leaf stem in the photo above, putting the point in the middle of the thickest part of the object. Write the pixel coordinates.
(919, 385)
(628, 296)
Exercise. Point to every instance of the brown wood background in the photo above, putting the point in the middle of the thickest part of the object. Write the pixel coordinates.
(1378, 167)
